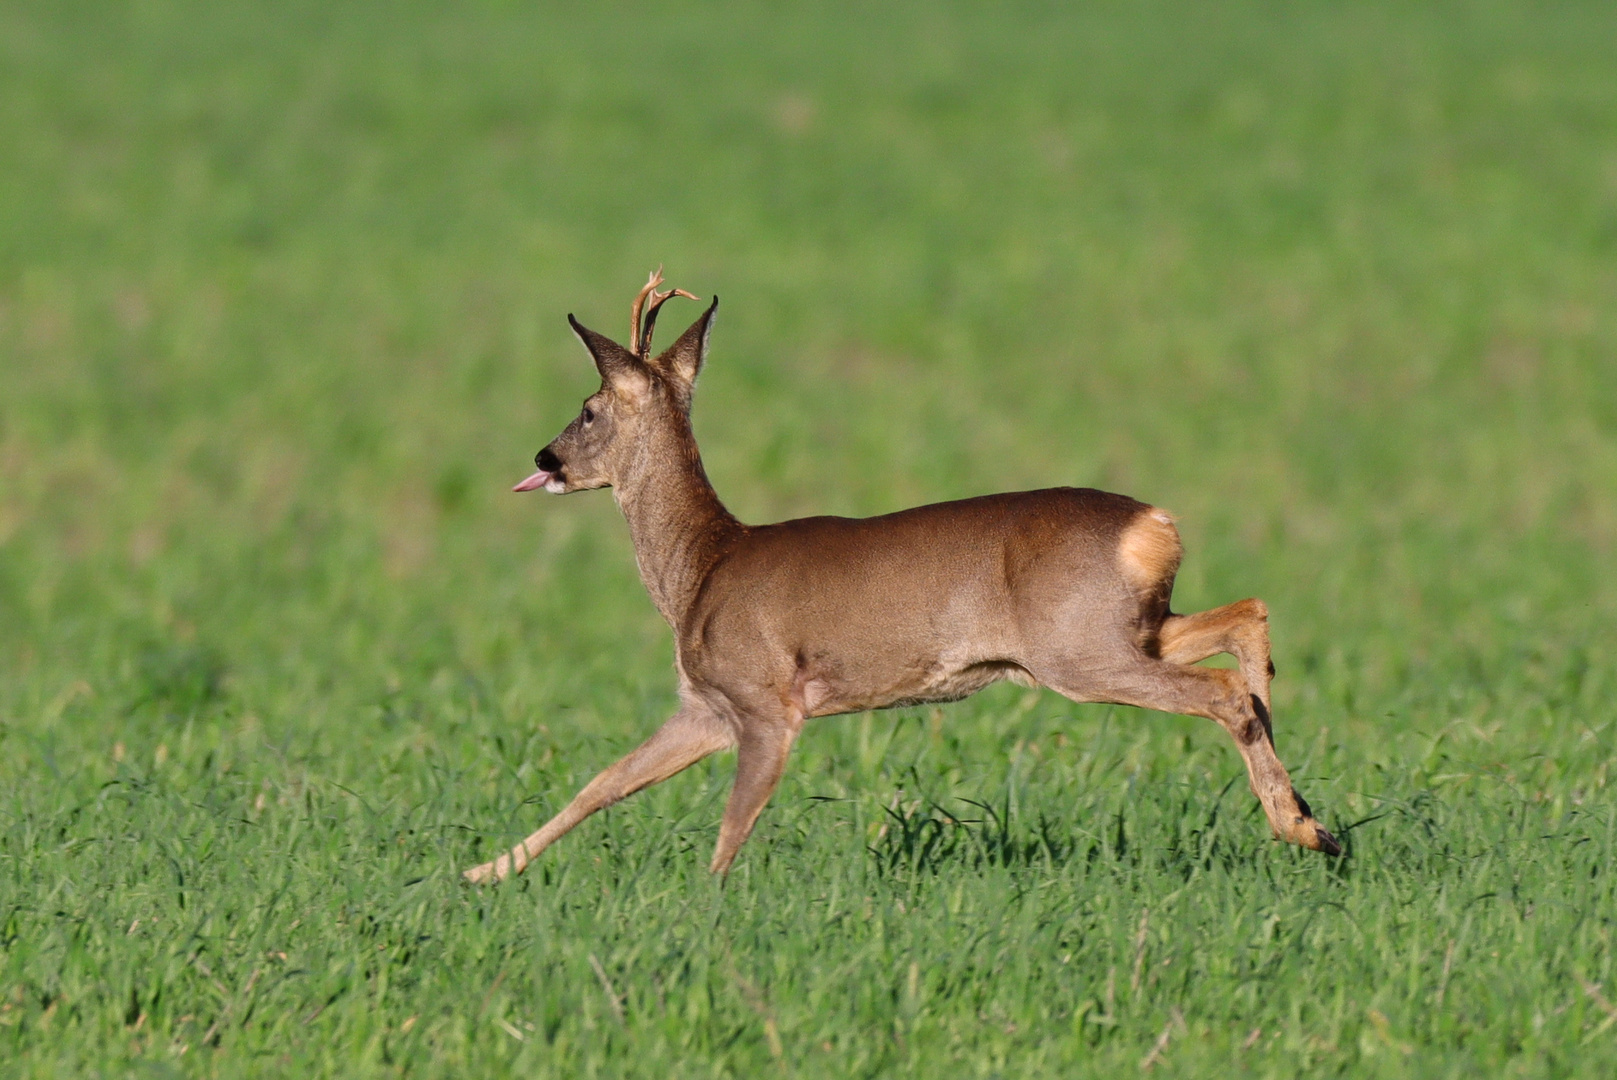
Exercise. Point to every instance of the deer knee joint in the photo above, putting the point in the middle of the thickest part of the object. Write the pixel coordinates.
(1253, 725)
(1262, 715)
(1251, 731)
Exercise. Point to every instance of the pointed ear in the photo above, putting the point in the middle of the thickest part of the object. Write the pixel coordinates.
(615, 363)
(683, 359)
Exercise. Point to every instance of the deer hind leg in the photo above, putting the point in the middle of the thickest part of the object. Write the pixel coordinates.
(688, 736)
(761, 754)
(1224, 697)
(1240, 629)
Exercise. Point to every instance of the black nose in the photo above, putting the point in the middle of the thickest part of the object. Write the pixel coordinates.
(547, 460)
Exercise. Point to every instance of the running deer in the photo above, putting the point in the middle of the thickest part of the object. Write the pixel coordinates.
(1066, 588)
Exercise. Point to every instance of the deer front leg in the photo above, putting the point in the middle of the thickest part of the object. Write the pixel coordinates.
(686, 738)
(761, 753)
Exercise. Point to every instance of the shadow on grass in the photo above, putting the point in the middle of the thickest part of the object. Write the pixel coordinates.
(925, 837)
(1421, 836)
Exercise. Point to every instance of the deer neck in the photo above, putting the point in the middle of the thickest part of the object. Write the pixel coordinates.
(677, 523)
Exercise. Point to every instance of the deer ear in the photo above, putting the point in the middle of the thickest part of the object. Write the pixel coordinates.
(683, 359)
(615, 363)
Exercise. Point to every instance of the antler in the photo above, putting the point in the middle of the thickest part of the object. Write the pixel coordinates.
(640, 333)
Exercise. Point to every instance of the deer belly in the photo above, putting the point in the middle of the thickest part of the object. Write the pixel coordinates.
(845, 688)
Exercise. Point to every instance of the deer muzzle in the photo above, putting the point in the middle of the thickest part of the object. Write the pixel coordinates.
(548, 476)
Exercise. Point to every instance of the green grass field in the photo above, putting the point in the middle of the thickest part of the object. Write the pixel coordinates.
(282, 317)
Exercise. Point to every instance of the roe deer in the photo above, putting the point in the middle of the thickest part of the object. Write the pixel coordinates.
(773, 624)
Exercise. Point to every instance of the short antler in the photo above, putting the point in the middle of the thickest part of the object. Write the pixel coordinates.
(640, 327)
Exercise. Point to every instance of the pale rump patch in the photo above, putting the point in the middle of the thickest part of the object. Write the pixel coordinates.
(1149, 550)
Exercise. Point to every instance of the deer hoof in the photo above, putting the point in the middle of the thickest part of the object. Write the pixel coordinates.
(1308, 833)
(1304, 831)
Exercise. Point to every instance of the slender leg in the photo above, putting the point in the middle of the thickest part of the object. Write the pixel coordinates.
(1240, 629)
(760, 760)
(689, 736)
(1224, 697)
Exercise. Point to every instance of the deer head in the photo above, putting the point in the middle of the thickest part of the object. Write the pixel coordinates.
(640, 396)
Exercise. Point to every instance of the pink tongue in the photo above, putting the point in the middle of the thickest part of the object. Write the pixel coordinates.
(537, 480)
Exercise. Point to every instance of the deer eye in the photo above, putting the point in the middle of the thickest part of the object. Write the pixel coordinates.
(589, 415)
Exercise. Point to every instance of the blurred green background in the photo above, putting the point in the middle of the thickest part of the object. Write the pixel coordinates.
(282, 299)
